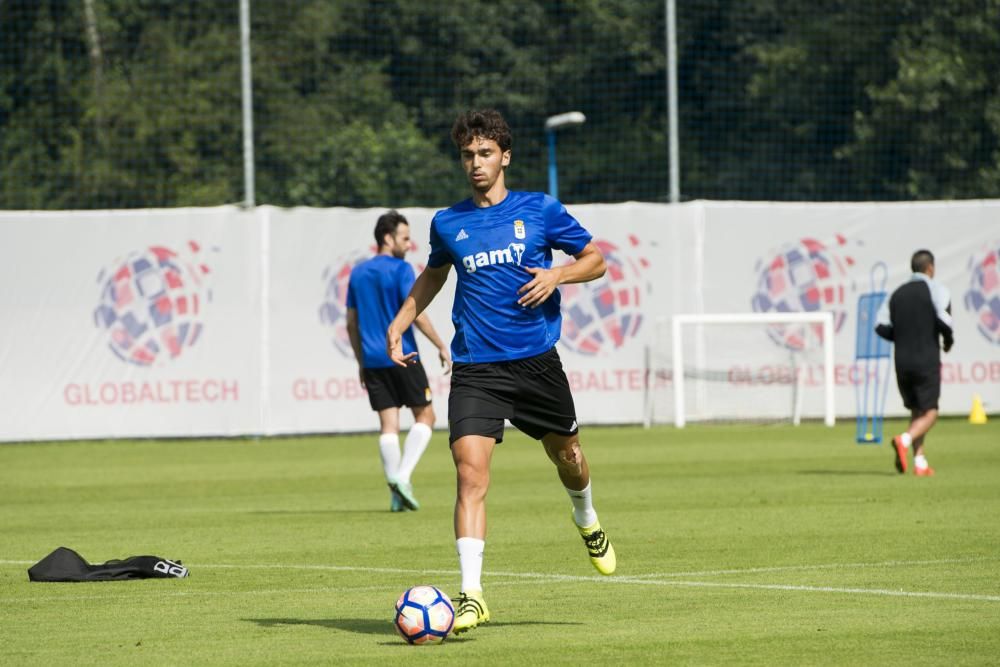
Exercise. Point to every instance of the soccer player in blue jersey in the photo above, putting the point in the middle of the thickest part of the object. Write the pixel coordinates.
(507, 322)
(375, 292)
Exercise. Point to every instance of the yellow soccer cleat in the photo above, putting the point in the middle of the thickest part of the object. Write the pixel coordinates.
(602, 554)
(470, 611)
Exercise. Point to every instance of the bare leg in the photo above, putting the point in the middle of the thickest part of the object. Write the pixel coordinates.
(574, 472)
(565, 452)
(424, 414)
(388, 420)
(920, 423)
(472, 455)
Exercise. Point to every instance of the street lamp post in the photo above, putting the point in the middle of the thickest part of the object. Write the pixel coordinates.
(553, 123)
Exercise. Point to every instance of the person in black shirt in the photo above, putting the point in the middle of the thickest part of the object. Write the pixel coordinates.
(917, 319)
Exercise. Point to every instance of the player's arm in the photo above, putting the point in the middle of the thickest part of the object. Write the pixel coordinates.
(885, 331)
(944, 328)
(941, 298)
(354, 333)
(428, 284)
(883, 321)
(589, 265)
(427, 329)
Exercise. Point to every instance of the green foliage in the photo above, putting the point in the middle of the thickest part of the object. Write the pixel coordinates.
(939, 112)
(354, 99)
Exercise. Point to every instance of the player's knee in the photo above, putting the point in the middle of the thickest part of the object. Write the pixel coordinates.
(472, 486)
(570, 457)
(427, 416)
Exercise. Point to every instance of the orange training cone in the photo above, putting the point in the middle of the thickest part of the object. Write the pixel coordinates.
(978, 414)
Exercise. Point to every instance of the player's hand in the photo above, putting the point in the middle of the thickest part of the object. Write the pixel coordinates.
(538, 290)
(445, 358)
(394, 348)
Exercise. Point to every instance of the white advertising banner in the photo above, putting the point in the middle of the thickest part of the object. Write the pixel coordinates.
(217, 321)
(771, 257)
(129, 323)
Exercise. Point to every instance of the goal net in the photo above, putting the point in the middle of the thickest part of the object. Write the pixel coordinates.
(767, 367)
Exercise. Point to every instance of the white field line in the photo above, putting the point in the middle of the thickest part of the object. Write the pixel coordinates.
(644, 580)
(821, 566)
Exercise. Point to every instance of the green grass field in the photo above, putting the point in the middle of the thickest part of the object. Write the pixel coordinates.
(744, 545)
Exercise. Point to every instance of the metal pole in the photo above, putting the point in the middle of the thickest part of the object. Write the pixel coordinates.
(673, 133)
(553, 179)
(678, 376)
(248, 167)
(830, 416)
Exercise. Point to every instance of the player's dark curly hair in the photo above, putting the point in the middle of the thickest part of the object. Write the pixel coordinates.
(387, 223)
(921, 260)
(485, 123)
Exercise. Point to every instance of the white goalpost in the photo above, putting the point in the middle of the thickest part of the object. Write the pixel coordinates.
(792, 338)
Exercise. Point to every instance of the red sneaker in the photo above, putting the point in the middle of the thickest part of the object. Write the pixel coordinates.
(900, 450)
(924, 472)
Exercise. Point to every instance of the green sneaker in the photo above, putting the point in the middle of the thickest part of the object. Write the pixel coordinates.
(405, 492)
(470, 611)
(602, 554)
(395, 502)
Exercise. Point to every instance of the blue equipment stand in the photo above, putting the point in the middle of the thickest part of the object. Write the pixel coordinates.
(872, 358)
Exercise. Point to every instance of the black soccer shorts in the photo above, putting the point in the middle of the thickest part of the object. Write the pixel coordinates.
(532, 393)
(395, 386)
(920, 388)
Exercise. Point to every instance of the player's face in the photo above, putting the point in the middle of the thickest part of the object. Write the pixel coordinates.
(483, 162)
(399, 242)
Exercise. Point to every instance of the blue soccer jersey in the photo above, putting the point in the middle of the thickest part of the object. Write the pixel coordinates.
(379, 286)
(490, 248)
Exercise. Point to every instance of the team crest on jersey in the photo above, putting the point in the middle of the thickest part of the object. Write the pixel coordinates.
(519, 229)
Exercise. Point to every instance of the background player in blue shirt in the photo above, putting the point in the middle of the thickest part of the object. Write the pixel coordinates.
(375, 292)
(507, 321)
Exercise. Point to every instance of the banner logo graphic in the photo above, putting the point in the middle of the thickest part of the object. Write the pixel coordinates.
(151, 303)
(983, 297)
(599, 317)
(802, 276)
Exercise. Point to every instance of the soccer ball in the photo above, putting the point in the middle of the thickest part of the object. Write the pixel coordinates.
(424, 615)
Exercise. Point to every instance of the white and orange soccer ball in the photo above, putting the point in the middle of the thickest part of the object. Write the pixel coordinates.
(424, 615)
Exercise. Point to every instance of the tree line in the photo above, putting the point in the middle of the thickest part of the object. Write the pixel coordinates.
(136, 103)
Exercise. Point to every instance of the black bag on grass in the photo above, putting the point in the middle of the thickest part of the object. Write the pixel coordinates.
(67, 565)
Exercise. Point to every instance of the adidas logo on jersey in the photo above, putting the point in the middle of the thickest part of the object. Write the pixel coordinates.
(461, 235)
(509, 255)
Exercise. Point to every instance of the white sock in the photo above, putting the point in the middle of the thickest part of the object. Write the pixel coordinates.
(583, 507)
(388, 449)
(470, 561)
(920, 461)
(413, 449)
(906, 439)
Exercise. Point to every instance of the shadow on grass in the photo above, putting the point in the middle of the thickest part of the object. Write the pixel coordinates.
(363, 626)
(368, 626)
(875, 473)
(373, 512)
